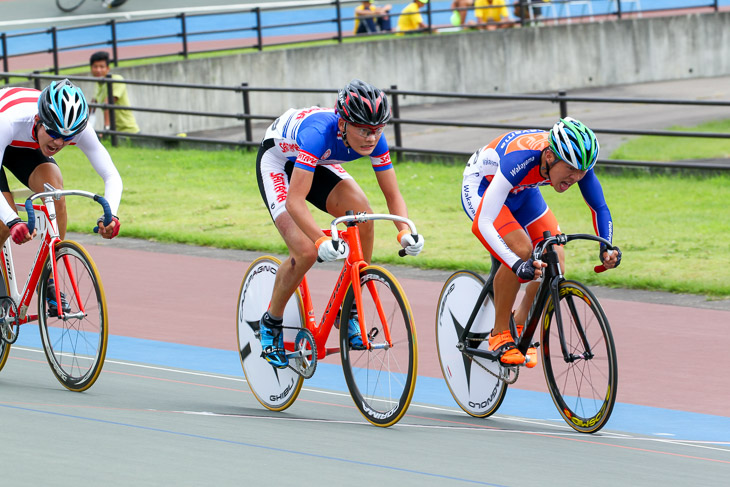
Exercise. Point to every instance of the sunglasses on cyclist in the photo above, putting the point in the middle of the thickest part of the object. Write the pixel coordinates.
(55, 135)
(367, 131)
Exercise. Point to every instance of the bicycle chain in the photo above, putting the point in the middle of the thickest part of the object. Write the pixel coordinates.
(498, 376)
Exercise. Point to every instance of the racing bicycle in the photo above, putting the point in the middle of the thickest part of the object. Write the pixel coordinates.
(74, 334)
(71, 5)
(382, 377)
(576, 344)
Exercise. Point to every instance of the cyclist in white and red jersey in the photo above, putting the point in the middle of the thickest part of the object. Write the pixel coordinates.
(300, 160)
(509, 215)
(34, 126)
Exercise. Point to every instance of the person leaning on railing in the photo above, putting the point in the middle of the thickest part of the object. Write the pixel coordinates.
(124, 120)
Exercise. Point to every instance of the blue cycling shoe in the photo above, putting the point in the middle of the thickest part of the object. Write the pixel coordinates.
(353, 334)
(51, 300)
(272, 345)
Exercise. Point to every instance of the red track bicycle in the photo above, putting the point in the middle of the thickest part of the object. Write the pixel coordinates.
(381, 378)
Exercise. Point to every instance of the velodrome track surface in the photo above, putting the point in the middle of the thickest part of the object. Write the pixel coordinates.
(172, 407)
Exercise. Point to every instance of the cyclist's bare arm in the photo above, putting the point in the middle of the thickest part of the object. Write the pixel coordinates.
(394, 199)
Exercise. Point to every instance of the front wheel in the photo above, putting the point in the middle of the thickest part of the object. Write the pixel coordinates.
(382, 379)
(4, 345)
(582, 376)
(276, 389)
(477, 391)
(75, 344)
(69, 5)
(4, 353)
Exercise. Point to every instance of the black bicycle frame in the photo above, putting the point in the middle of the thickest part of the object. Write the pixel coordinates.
(549, 287)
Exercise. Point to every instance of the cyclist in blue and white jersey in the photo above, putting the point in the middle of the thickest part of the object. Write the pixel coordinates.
(35, 126)
(509, 215)
(300, 160)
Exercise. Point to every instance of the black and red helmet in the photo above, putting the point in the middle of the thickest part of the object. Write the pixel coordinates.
(360, 103)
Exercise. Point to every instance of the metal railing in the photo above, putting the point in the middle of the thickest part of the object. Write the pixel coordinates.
(399, 145)
(255, 28)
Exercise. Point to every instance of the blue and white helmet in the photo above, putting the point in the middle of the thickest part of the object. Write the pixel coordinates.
(574, 143)
(62, 108)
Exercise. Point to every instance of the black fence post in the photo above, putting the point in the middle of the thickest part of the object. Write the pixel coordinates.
(112, 117)
(259, 34)
(36, 81)
(54, 41)
(247, 111)
(563, 104)
(524, 12)
(338, 6)
(717, 5)
(113, 28)
(428, 15)
(184, 32)
(618, 12)
(396, 123)
(4, 40)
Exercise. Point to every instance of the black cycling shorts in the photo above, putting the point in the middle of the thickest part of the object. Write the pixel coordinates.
(21, 161)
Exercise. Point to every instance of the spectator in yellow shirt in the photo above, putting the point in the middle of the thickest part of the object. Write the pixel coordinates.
(369, 18)
(488, 17)
(410, 17)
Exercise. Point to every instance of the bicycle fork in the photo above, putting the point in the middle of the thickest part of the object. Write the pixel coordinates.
(69, 270)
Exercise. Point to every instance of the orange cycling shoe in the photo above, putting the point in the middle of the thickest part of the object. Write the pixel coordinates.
(531, 352)
(504, 344)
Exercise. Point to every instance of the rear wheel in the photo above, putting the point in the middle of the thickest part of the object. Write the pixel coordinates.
(382, 379)
(583, 384)
(75, 344)
(475, 390)
(69, 5)
(276, 389)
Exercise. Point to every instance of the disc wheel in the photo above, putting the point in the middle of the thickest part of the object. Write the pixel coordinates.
(276, 389)
(474, 389)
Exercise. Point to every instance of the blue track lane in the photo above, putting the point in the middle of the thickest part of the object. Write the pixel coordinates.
(630, 418)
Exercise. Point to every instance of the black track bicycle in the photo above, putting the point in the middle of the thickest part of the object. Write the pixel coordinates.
(71, 5)
(576, 344)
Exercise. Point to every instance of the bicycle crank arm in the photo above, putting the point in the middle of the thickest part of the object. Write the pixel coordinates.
(478, 352)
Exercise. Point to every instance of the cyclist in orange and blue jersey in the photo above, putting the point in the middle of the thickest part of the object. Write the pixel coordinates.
(300, 160)
(509, 215)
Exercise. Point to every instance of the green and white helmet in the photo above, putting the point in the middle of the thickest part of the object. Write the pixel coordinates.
(574, 143)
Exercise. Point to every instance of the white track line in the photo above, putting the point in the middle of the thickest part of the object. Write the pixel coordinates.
(709, 445)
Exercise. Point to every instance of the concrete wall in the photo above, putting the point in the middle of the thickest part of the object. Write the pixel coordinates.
(522, 60)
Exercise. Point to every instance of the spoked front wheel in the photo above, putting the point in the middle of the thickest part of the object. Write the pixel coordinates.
(4, 345)
(75, 344)
(69, 5)
(477, 391)
(381, 380)
(4, 353)
(276, 389)
(582, 376)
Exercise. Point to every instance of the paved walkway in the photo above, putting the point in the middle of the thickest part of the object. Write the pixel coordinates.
(542, 114)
